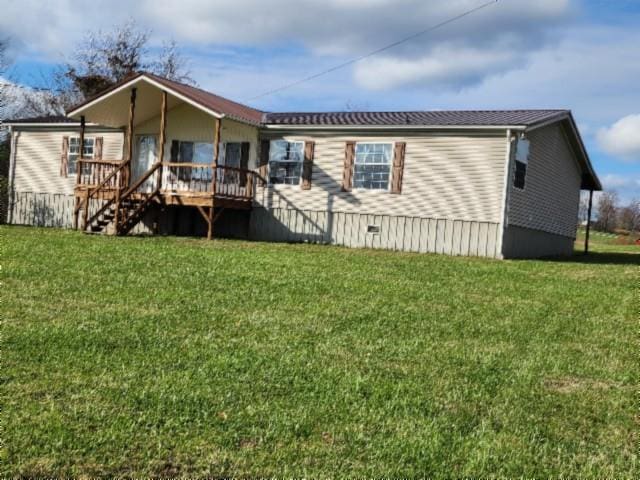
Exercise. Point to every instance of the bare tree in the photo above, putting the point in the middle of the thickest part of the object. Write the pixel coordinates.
(629, 217)
(607, 211)
(4, 138)
(105, 58)
(4, 63)
(172, 64)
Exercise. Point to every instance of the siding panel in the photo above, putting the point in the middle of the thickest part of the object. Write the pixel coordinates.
(37, 161)
(404, 233)
(550, 199)
(445, 176)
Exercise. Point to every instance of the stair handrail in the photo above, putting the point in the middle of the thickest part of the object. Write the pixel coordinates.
(92, 191)
(139, 208)
(140, 180)
(124, 196)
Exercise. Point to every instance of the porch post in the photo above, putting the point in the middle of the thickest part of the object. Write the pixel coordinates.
(76, 211)
(586, 236)
(162, 138)
(132, 109)
(127, 170)
(214, 169)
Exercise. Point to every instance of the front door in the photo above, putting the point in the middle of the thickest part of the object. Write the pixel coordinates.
(144, 158)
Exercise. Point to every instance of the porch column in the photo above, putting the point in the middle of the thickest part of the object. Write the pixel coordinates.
(214, 169)
(586, 235)
(79, 170)
(162, 137)
(132, 109)
(127, 170)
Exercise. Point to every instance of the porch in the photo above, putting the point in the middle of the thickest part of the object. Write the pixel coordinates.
(160, 170)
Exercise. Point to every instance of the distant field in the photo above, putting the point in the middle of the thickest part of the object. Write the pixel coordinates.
(182, 357)
(604, 238)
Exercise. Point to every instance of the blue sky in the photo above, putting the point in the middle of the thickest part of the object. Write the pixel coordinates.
(578, 54)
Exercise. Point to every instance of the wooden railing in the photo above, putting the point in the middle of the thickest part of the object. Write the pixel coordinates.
(231, 182)
(100, 176)
(146, 186)
(94, 173)
(115, 180)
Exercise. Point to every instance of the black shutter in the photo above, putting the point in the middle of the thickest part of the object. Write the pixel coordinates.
(264, 162)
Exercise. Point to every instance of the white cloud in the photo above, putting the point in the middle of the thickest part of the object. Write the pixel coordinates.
(335, 28)
(627, 186)
(445, 68)
(622, 138)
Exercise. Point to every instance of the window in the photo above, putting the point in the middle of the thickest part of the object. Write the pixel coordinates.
(372, 166)
(193, 152)
(232, 155)
(231, 158)
(74, 151)
(522, 160)
(285, 162)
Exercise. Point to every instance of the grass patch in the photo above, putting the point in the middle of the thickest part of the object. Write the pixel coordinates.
(170, 356)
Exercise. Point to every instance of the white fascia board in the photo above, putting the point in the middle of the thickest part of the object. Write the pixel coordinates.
(136, 80)
(182, 97)
(45, 124)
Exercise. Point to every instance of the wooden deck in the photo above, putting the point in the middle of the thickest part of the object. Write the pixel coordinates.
(122, 202)
(168, 197)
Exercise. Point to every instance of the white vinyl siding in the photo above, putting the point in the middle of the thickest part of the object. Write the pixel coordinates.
(549, 201)
(187, 123)
(38, 154)
(446, 175)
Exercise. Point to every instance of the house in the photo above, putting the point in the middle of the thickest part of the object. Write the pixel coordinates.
(164, 157)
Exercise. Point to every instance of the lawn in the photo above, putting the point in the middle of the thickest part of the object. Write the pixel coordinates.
(174, 356)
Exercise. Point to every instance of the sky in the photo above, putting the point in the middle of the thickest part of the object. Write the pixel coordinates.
(582, 55)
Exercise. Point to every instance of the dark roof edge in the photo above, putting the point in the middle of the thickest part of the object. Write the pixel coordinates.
(592, 183)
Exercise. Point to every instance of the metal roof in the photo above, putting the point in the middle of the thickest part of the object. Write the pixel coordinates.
(51, 119)
(201, 97)
(444, 118)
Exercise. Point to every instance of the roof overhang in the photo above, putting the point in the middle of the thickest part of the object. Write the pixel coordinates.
(393, 127)
(111, 107)
(48, 124)
(590, 180)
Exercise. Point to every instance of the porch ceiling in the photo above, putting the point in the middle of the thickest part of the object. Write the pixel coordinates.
(113, 110)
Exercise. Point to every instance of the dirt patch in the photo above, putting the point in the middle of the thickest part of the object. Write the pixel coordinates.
(248, 443)
(574, 384)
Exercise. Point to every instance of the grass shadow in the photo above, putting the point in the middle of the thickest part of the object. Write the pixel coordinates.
(599, 258)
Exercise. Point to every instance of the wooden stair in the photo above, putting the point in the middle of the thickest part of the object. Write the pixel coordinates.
(132, 211)
(123, 211)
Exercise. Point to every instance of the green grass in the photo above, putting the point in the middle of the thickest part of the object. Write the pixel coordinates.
(173, 356)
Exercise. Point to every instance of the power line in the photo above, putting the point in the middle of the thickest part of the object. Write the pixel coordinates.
(375, 52)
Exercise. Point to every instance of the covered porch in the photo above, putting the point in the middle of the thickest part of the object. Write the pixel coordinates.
(183, 146)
